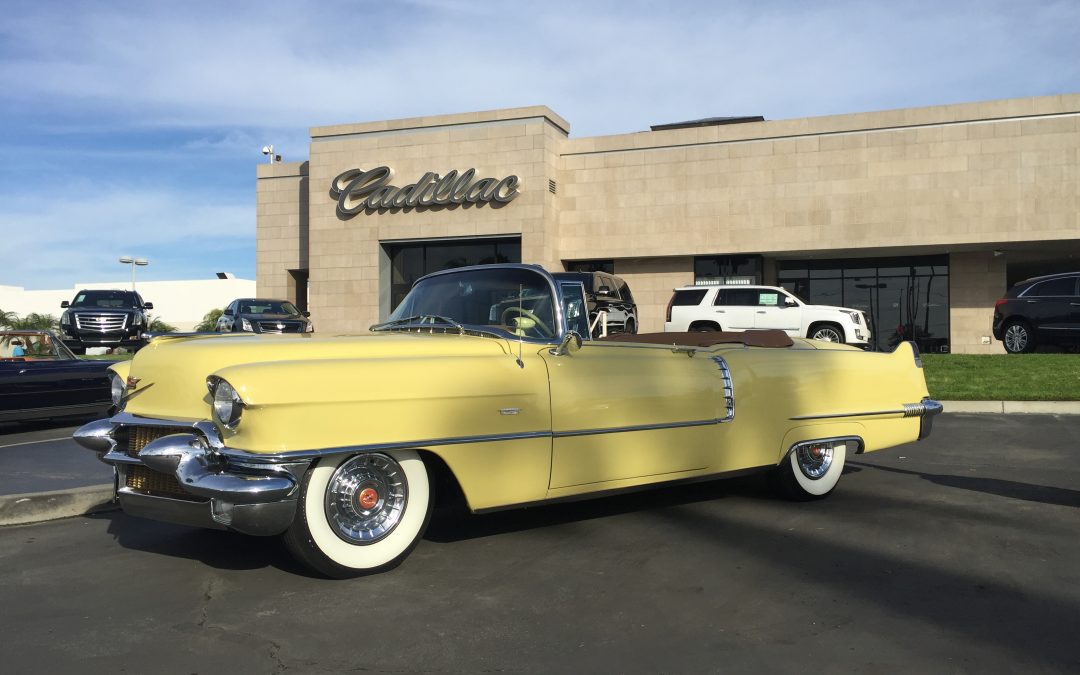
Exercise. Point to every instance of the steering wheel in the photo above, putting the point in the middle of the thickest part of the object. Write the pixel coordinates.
(521, 311)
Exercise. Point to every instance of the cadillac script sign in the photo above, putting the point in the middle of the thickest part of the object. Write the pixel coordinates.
(357, 190)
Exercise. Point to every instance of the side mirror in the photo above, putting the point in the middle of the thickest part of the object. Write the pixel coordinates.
(148, 305)
(571, 342)
(790, 302)
(65, 304)
(307, 314)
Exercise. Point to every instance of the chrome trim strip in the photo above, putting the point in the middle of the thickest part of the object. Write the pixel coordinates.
(291, 455)
(638, 427)
(927, 406)
(828, 416)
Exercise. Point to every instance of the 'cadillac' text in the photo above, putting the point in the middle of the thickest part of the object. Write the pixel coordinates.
(356, 190)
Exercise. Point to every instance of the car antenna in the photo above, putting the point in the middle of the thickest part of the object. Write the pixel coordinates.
(521, 337)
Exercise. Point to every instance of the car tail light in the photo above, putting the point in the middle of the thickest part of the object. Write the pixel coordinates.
(1000, 302)
(669, 304)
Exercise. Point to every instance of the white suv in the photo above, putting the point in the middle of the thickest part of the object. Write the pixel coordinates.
(738, 308)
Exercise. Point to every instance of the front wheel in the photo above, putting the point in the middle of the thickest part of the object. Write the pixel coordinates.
(360, 514)
(827, 333)
(809, 472)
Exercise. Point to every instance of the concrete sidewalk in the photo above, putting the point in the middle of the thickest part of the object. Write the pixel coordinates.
(50, 478)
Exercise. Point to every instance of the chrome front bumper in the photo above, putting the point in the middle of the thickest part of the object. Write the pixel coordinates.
(219, 489)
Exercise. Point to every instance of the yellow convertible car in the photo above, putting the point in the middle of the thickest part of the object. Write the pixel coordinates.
(484, 377)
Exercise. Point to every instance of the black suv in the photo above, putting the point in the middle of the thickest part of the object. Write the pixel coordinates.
(104, 319)
(606, 292)
(1041, 310)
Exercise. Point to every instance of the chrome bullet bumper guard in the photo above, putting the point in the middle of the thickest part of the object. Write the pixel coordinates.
(217, 489)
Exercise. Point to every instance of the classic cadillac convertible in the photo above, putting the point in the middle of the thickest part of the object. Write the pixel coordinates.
(484, 377)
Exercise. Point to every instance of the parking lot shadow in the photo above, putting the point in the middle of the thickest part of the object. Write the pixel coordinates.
(1042, 494)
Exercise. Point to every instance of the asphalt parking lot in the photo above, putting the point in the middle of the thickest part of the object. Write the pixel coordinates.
(958, 554)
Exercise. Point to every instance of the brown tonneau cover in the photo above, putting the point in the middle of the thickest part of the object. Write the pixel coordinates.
(750, 338)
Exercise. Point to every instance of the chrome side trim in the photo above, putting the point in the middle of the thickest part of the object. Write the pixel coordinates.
(638, 427)
(249, 457)
(827, 416)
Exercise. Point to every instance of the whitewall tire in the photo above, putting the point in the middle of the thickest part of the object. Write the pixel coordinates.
(809, 472)
(359, 514)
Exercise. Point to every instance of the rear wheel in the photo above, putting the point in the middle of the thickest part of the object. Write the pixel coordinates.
(1018, 338)
(704, 327)
(360, 514)
(809, 472)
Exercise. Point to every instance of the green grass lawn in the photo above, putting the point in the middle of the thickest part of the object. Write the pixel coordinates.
(1003, 377)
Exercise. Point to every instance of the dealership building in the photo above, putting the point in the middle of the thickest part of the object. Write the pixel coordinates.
(921, 217)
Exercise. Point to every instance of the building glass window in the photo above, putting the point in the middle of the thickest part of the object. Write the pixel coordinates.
(590, 266)
(904, 298)
(727, 269)
(409, 262)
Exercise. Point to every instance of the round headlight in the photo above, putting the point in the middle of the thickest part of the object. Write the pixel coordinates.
(117, 388)
(227, 404)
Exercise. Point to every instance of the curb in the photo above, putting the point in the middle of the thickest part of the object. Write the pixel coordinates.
(36, 507)
(1014, 407)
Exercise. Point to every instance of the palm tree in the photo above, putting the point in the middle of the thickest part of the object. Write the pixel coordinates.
(209, 321)
(35, 321)
(7, 318)
(156, 325)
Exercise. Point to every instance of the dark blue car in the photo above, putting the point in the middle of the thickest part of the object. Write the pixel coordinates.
(41, 378)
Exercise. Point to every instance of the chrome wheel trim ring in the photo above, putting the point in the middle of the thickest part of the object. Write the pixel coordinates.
(826, 335)
(352, 483)
(814, 467)
(1016, 337)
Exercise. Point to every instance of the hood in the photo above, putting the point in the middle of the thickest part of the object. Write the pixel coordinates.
(831, 308)
(172, 372)
(273, 317)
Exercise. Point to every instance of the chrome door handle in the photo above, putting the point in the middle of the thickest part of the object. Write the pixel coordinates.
(721, 311)
(761, 311)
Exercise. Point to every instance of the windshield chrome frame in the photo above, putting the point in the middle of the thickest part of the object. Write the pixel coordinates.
(556, 297)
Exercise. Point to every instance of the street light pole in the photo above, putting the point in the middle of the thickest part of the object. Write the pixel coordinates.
(128, 260)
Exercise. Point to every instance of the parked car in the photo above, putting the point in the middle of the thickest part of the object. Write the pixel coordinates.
(1037, 311)
(104, 318)
(739, 308)
(41, 378)
(259, 315)
(484, 381)
(606, 293)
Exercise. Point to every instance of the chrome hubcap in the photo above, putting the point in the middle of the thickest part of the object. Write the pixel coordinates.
(814, 460)
(1016, 338)
(366, 498)
(827, 335)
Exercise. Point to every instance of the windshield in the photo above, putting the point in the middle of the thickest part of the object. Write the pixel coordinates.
(514, 301)
(267, 307)
(106, 299)
(32, 346)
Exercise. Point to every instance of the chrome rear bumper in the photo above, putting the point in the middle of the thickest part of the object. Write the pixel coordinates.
(212, 490)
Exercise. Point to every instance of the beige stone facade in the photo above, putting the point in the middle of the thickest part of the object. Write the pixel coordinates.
(990, 184)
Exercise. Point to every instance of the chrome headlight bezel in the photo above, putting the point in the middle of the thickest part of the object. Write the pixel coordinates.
(117, 390)
(245, 325)
(226, 406)
(853, 315)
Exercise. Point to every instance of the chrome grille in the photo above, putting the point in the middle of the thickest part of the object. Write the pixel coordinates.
(151, 482)
(103, 323)
(134, 439)
(281, 326)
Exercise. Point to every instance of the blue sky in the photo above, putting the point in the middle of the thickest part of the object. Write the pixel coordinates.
(135, 127)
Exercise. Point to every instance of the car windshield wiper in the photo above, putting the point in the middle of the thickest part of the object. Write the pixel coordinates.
(418, 320)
